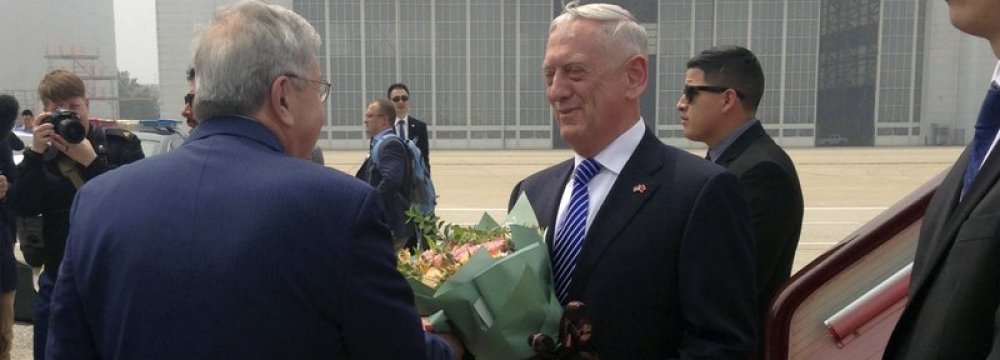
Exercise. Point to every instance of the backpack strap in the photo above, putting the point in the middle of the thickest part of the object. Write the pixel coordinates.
(67, 166)
(69, 170)
(377, 145)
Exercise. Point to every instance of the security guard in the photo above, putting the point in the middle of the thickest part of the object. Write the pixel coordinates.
(57, 163)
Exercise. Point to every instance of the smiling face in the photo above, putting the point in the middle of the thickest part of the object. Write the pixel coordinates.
(585, 86)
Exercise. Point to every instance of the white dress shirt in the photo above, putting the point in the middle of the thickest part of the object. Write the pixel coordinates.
(406, 127)
(612, 159)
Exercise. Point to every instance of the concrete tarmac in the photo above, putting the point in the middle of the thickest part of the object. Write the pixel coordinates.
(843, 189)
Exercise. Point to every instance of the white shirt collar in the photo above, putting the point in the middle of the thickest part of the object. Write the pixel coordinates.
(404, 120)
(619, 151)
(996, 73)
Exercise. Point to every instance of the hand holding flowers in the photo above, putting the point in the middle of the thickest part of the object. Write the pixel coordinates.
(490, 284)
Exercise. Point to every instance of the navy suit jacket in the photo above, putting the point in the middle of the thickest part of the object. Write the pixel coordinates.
(227, 248)
(667, 266)
(771, 184)
(389, 178)
(953, 310)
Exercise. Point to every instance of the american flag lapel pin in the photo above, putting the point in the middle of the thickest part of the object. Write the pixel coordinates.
(639, 189)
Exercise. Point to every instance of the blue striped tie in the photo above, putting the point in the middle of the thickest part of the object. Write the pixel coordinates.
(569, 238)
(986, 130)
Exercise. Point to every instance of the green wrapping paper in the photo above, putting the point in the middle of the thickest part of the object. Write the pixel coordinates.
(493, 305)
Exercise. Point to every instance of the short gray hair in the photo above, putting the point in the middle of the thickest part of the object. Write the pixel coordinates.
(620, 28)
(239, 55)
(385, 108)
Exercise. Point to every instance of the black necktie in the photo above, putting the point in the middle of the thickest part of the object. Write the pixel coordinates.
(986, 131)
(400, 129)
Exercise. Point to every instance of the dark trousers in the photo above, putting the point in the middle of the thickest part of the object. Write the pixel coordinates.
(46, 281)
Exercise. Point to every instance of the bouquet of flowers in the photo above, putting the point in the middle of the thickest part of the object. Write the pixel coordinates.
(490, 284)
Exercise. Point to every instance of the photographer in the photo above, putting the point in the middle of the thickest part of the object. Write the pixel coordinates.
(61, 157)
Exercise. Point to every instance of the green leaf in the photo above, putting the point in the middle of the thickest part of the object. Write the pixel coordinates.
(486, 223)
(522, 213)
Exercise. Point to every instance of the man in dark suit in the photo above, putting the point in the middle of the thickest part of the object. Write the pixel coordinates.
(284, 258)
(385, 169)
(412, 128)
(953, 311)
(655, 241)
(722, 88)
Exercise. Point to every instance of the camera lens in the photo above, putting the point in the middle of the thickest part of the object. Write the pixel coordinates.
(67, 124)
(71, 130)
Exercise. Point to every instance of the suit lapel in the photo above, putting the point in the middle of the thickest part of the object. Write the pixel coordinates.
(633, 188)
(981, 185)
(362, 171)
(953, 213)
(411, 126)
(742, 143)
(548, 198)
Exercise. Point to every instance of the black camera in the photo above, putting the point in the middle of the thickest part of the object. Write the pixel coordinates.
(67, 124)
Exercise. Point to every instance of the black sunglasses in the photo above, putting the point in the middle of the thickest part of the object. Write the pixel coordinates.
(188, 99)
(401, 98)
(691, 90)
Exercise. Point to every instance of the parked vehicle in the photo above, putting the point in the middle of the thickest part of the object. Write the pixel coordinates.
(157, 136)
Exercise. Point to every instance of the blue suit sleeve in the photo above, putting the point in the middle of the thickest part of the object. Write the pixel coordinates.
(716, 271)
(391, 168)
(379, 318)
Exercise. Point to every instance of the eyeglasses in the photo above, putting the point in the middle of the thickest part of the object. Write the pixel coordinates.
(691, 90)
(400, 98)
(324, 86)
(188, 99)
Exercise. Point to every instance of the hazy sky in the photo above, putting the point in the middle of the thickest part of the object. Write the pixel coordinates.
(135, 32)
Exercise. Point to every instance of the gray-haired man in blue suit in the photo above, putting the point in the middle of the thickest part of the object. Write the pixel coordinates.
(236, 246)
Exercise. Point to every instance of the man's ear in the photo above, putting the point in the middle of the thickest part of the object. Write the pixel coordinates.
(731, 101)
(637, 76)
(281, 90)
